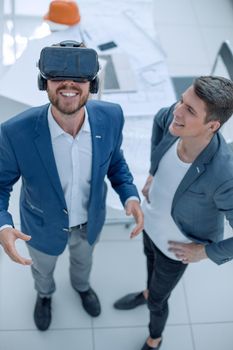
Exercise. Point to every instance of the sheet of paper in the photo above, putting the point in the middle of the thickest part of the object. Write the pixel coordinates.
(141, 49)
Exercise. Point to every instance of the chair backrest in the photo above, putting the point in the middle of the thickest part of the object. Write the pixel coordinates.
(224, 57)
(223, 66)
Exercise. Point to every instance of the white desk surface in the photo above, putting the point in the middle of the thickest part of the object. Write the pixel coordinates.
(122, 23)
(103, 22)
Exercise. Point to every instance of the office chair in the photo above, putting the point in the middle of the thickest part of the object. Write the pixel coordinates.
(223, 66)
(225, 54)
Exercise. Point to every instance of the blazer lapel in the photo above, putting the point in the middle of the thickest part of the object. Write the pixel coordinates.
(197, 168)
(192, 174)
(97, 135)
(45, 150)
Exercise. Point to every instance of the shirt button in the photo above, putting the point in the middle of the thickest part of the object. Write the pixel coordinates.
(65, 211)
(65, 229)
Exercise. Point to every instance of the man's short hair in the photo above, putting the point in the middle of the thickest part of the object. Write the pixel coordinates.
(217, 93)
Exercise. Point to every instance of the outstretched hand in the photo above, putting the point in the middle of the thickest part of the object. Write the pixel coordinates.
(8, 236)
(133, 208)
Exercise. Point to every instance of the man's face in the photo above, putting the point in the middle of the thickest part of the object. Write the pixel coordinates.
(189, 117)
(67, 96)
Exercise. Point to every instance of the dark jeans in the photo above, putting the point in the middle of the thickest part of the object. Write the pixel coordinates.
(163, 275)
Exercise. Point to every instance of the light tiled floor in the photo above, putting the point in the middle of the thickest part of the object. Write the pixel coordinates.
(201, 307)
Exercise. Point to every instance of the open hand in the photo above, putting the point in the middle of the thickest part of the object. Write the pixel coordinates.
(8, 236)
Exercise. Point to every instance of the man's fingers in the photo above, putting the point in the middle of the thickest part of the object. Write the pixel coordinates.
(176, 244)
(137, 229)
(22, 236)
(177, 248)
(133, 208)
(21, 260)
(185, 261)
(14, 255)
(140, 223)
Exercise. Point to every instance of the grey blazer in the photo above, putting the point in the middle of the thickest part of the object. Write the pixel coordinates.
(205, 195)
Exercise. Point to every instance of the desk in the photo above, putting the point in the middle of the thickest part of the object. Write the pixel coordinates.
(133, 31)
(103, 22)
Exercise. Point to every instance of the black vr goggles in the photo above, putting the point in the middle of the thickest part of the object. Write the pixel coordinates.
(68, 61)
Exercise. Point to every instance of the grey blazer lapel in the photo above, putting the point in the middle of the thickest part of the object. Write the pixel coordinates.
(192, 174)
(45, 150)
(197, 168)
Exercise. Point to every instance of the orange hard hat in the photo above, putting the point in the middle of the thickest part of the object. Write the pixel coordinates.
(63, 12)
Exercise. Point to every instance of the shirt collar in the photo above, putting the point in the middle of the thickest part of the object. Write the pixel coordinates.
(56, 130)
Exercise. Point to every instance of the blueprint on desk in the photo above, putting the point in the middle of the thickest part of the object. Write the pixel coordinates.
(132, 29)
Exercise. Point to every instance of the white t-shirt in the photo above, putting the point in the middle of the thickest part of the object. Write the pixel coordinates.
(159, 224)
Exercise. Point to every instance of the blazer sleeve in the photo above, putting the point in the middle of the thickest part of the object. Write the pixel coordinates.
(118, 172)
(222, 251)
(9, 175)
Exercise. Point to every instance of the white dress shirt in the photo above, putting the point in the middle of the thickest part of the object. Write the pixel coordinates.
(73, 157)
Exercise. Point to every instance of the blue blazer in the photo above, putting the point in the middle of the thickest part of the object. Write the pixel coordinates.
(26, 152)
(205, 195)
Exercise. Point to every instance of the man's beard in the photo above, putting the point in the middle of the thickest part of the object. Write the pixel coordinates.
(68, 108)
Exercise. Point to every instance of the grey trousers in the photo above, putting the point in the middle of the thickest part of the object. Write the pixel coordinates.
(43, 266)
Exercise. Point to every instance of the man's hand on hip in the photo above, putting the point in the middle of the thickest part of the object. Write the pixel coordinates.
(188, 252)
(133, 208)
(8, 236)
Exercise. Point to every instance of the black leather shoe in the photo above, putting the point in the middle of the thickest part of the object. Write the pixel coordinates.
(42, 313)
(130, 301)
(90, 302)
(147, 347)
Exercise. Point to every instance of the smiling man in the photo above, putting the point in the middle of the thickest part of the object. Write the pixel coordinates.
(187, 194)
(62, 151)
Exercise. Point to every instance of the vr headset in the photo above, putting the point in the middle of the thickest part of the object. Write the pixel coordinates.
(68, 60)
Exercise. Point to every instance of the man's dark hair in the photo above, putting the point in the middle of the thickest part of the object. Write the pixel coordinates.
(217, 93)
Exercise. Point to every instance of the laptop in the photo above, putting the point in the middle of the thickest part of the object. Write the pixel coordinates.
(118, 75)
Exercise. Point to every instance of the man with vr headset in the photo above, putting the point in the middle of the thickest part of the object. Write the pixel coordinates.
(62, 151)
